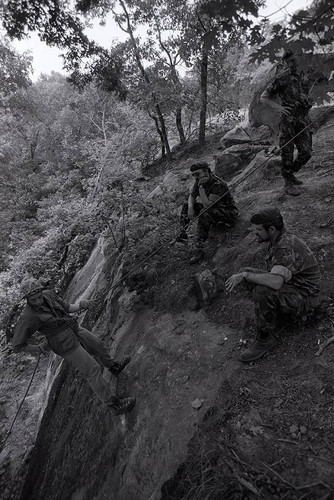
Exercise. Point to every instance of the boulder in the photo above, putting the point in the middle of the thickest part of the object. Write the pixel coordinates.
(233, 159)
(260, 116)
(261, 168)
(244, 133)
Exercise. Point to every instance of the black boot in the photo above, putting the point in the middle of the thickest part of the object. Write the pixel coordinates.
(118, 366)
(122, 405)
(182, 239)
(290, 188)
(295, 181)
(260, 347)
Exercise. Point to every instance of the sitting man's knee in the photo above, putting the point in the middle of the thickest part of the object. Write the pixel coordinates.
(261, 293)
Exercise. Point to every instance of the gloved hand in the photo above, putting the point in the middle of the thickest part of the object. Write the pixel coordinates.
(87, 304)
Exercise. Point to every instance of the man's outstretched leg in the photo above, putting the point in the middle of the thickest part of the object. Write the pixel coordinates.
(97, 348)
(91, 371)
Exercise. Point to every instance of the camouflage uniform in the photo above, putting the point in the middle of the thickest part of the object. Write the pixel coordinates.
(224, 211)
(292, 89)
(290, 258)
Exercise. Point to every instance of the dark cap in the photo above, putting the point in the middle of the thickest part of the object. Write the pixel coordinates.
(199, 165)
(265, 216)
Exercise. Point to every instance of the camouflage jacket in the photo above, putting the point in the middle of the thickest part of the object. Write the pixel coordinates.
(291, 258)
(292, 89)
(217, 187)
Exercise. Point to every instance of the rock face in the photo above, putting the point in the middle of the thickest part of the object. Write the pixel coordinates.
(247, 133)
(260, 170)
(261, 115)
(83, 451)
(234, 158)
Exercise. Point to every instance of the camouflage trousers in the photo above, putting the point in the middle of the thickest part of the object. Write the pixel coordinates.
(213, 216)
(289, 127)
(271, 304)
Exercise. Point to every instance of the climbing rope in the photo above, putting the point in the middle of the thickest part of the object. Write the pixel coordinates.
(19, 408)
(232, 187)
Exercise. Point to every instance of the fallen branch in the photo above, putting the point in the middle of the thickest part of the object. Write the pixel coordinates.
(248, 485)
(287, 441)
(312, 485)
(279, 476)
(324, 345)
(245, 464)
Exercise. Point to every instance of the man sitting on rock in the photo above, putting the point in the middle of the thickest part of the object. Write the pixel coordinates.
(210, 200)
(49, 314)
(290, 286)
(292, 89)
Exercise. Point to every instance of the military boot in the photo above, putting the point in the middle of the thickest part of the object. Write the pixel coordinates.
(295, 181)
(118, 366)
(258, 349)
(182, 239)
(290, 188)
(122, 405)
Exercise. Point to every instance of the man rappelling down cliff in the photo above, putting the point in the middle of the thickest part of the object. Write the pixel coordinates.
(48, 314)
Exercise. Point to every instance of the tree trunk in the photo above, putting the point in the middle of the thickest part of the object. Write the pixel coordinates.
(204, 94)
(163, 131)
(163, 149)
(178, 119)
(147, 80)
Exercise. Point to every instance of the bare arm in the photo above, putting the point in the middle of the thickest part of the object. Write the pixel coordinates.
(274, 281)
(207, 201)
(82, 305)
(191, 203)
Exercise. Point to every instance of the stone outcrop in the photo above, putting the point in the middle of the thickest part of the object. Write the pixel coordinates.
(260, 170)
(247, 133)
(234, 159)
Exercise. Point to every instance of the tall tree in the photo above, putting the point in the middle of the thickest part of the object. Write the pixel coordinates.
(218, 22)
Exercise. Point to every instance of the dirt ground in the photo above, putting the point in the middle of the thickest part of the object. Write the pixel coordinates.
(270, 432)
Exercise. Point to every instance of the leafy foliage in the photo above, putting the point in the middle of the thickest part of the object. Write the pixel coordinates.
(306, 32)
(14, 69)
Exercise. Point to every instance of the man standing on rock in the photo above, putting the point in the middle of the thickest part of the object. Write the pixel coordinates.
(210, 200)
(292, 89)
(290, 286)
(49, 314)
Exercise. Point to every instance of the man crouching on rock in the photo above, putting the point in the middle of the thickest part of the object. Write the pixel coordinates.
(290, 286)
(49, 314)
(210, 200)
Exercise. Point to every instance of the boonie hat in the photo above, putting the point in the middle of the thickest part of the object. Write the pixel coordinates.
(28, 286)
(265, 216)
